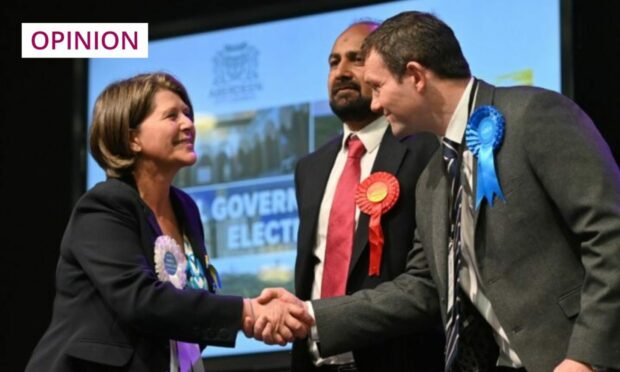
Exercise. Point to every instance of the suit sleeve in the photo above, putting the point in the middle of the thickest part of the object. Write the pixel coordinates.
(580, 175)
(394, 308)
(103, 237)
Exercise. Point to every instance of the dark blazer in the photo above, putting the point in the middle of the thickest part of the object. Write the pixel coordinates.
(549, 257)
(406, 160)
(111, 312)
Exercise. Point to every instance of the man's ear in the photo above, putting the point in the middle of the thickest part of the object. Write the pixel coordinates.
(416, 75)
(134, 142)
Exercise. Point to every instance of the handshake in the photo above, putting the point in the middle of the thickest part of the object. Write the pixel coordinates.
(276, 317)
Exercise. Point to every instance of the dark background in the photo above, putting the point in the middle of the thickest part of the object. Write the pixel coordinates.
(40, 162)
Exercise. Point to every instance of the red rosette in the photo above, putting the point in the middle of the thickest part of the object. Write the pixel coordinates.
(375, 196)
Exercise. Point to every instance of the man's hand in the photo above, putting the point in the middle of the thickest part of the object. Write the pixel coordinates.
(276, 319)
(569, 365)
(279, 293)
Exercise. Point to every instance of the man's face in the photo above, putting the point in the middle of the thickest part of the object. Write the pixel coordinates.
(395, 99)
(349, 96)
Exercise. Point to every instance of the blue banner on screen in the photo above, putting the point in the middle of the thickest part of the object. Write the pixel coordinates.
(260, 102)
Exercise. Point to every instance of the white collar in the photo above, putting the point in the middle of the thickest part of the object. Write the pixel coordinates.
(370, 135)
(458, 122)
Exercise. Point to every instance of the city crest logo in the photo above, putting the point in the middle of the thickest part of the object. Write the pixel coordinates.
(235, 73)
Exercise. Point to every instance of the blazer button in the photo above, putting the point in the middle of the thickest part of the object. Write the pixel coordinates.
(224, 334)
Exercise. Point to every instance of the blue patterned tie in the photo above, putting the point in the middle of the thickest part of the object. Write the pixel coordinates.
(450, 156)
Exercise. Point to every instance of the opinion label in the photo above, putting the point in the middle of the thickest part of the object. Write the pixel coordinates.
(85, 40)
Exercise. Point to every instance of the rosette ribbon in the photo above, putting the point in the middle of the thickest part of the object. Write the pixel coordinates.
(170, 262)
(374, 196)
(484, 135)
(215, 276)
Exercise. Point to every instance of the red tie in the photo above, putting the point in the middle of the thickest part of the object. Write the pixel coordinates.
(341, 225)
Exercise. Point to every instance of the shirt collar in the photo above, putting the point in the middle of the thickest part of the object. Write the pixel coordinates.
(458, 122)
(370, 135)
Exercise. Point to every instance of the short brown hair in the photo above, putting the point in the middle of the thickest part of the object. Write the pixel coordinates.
(421, 37)
(120, 108)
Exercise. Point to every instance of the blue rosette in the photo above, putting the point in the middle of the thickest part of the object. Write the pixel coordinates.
(484, 135)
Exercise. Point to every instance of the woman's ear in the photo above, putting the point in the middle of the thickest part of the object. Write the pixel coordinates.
(134, 141)
(416, 74)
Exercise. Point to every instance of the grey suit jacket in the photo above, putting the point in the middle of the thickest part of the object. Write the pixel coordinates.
(549, 257)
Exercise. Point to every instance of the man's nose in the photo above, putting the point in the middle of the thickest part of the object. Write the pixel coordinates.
(344, 69)
(375, 106)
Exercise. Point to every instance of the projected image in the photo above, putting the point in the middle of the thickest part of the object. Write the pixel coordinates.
(247, 145)
(251, 232)
(244, 189)
(260, 101)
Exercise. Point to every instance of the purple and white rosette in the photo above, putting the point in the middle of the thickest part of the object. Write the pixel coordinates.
(170, 261)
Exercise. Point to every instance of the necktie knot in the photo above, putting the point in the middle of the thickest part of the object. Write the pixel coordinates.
(355, 147)
(450, 151)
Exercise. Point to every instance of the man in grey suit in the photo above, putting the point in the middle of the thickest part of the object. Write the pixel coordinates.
(527, 247)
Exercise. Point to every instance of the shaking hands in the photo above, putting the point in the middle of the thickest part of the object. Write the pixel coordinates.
(276, 317)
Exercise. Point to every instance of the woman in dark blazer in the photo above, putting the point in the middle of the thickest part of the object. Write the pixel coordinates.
(134, 289)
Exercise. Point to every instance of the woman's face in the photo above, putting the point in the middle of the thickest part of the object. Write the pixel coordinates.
(165, 139)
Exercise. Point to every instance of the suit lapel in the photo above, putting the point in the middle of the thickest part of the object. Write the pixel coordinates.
(190, 229)
(484, 96)
(389, 158)
(317, 174)
(155, 233)
(155, 230)
(439, 207)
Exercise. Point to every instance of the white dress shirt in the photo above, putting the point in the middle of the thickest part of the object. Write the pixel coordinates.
(370, 136)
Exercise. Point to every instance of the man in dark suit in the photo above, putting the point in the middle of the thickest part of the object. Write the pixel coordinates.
(518, 225)
(316, 179)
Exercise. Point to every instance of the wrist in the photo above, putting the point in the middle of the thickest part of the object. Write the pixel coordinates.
(248, 309)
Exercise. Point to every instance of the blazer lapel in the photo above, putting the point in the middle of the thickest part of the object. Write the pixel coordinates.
(389, 158)
(484, 97)
(190, 229)
(322, 167)
(317, 175)
(155, 229)
(156, 232)
(438, 206)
